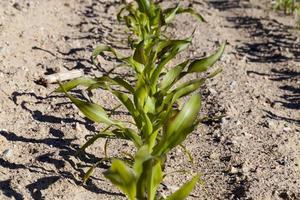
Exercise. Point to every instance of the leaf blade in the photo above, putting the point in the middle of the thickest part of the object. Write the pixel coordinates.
(184, 191)
(201, 65)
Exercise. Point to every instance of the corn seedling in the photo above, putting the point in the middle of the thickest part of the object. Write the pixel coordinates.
(288, 6)
(152, 100)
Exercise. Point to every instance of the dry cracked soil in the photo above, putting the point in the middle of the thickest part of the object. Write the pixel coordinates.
(253, 152)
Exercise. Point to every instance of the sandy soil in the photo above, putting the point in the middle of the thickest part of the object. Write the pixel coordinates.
(252, 153)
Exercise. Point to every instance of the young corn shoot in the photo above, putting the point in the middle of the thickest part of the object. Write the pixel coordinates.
(288, 6)
(151, 100)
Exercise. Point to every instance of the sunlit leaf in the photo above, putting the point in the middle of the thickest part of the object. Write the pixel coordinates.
(93, 111)
(201, 65)
(170, 13)
(172, 75)
(180, 127)
(82, 81)
(123, 177)
(185, 190)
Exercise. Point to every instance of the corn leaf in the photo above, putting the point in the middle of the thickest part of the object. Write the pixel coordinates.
(137, 66)
(93, 111)
(128, 134)
(172, 49)
(84, 81)
(94, 138)
(178, 129)
(123, 177)
(141, 156)
(172, 75)
(88, 174)
(126, 101)
(201, 65)
(192, 12)
(155, 176)
(149, 105)
(139, 54)
(149, 173)
(169, 14)
(105, 48)
(144, 6)
(111, 81)
(183, 192)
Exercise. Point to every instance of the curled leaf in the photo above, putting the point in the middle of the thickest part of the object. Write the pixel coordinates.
(123, 177)
(179, 127)
(201, 65)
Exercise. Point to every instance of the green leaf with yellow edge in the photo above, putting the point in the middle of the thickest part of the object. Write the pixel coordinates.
(123, 177)
(172, 75)
(83, 81)
(93, 111)
(202, 65)
(184, 191)
(179, 127)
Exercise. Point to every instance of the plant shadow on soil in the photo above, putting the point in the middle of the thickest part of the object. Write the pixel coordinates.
(272, 43)
(66, 149)
(276, 39)
(291, 97)
(223, 5)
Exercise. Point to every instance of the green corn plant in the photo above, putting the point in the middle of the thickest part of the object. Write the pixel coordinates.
(146, 19)
(152, 100)
(288, 6)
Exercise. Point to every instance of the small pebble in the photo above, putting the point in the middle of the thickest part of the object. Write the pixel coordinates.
(213, 91)
(234, 170)
(7, 153)
(214, 156)
(78, 127)
(287, 129)
(270, 124)
(17, 6)
(232, 85)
